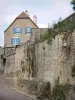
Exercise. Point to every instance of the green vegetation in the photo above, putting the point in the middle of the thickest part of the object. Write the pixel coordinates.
(62, 27)
(60, 91)
(48, 35)
(73, 3)
(44, 91)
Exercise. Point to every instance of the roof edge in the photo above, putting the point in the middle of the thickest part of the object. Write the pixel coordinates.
(20, 18)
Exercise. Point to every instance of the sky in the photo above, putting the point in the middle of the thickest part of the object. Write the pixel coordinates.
(47, 11)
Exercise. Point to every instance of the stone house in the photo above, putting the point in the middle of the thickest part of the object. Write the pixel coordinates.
(45, 62)
(19, 30)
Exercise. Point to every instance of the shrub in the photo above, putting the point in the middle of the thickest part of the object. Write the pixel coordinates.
(60, 91)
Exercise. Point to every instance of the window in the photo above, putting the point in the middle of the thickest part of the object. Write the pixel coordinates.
(27, 30)
(15, 41)
(17, 30)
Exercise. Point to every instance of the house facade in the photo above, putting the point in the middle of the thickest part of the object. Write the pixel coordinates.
(19, 30)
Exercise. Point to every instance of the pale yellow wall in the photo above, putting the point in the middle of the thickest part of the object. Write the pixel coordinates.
(23, 37)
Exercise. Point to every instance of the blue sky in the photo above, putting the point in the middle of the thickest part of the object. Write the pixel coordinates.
(47, 11)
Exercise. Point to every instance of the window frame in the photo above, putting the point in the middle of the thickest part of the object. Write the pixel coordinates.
(15, 41)
(26, 28)
(19, 31)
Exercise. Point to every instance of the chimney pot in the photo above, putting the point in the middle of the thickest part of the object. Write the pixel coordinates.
(35, 19)
(27, 12)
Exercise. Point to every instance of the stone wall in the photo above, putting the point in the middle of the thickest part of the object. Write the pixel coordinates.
(45, 62)
(1, 60)
(10, 64)
(21, 59)
(9, 55)
(55, 60)
(25, 61)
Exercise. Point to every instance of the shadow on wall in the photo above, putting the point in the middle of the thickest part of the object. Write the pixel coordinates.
(3, 63)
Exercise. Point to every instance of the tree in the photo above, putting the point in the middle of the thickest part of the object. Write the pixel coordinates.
(73, 3)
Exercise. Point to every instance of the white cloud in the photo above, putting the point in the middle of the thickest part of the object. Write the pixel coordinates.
(43, 25)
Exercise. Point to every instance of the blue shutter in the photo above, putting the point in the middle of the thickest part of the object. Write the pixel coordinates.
(20, 30)
(14, 30)
(25, 30)
(11, 41)
(15, 40)
(30, 29)
(18, 41)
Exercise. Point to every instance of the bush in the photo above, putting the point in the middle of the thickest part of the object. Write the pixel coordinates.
(44, 91)
(60, 91)
(66, 26)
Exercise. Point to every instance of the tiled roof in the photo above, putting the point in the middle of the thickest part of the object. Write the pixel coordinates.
(23, 15)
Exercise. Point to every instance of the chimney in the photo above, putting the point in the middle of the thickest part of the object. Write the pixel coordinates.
(35, 19)
(27, 12)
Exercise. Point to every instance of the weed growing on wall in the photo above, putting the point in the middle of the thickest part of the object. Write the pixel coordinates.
(60, 91)
(66, 27)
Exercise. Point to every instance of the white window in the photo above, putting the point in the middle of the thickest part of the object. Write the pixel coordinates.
(28, 30)
(17, 30)
(15, 41)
